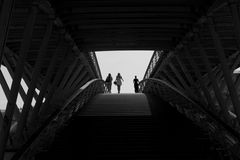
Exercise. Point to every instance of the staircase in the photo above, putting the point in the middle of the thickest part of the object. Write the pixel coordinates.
(122, 127)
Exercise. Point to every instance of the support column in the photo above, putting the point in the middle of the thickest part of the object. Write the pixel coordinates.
(224, 65)
(189, 78)
(65, 62)
(21, 90)
(78, 79)
(73, 76)
(6, 91)
(182, 81)
(199, 77)
(67, 75)
(84, 80)
(33, 83)
(33, 122)
(27, 37)
(217, 91)
(177, 85)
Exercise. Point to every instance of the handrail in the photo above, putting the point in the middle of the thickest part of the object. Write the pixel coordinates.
(224, 129)
(62, 115)
(153, 62)
(95, 63)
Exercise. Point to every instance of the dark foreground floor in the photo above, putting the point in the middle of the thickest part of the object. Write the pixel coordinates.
(122, 127)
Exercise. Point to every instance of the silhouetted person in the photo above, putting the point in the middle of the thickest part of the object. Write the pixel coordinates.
(118, 81)
(136, 84)
(108, 83)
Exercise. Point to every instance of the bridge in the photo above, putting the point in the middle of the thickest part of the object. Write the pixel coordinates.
(188, 105)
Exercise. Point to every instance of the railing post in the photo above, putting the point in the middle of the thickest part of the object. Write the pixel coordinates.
(224, 65)
(27, 37)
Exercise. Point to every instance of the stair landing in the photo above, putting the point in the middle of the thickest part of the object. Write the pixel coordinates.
(118, 105)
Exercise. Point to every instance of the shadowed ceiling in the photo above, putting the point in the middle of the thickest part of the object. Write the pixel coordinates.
(129, 24)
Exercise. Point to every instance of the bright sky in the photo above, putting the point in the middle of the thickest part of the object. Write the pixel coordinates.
(127, 63)
(3, 99)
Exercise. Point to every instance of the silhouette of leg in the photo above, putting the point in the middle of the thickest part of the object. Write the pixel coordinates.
(110, 88)
(118, 88)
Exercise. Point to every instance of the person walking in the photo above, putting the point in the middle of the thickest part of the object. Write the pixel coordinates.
(108, 83)
(118, 82)
(136, 84)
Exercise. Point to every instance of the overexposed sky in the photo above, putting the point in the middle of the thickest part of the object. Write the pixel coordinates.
(3, 98)
(127, 63)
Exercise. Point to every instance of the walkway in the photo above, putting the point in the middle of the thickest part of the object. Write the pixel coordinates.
(118, 105)
(129, 127)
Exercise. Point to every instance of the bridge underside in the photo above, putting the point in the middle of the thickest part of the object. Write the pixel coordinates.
(51, 44)
(126, 25)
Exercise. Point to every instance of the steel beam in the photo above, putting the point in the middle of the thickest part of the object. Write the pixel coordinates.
(225, 69)
(189, 77)
(78, 79)
(236, 19)
(73, 86)
(51, 68)
(165, 78)
(6, 91)
(10, 71)
(26, 80)
(176, 84)
(181, 80)
(67, 75)
(199, 77)
(45, 108)
(74, 76)
(27, 36)
(84, 80)
(33, 83)
(5, 16)
(214, 83)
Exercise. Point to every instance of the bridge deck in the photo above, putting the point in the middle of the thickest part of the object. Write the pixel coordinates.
(118, 105)
(122, 127)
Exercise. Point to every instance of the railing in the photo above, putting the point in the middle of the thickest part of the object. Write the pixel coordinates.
(155, 57)
(45, 133)
(226, 136)
(95, 63)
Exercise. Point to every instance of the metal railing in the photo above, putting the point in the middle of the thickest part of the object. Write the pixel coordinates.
(42, 137)
(95, 63)
(225, 135)
(153, 62)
